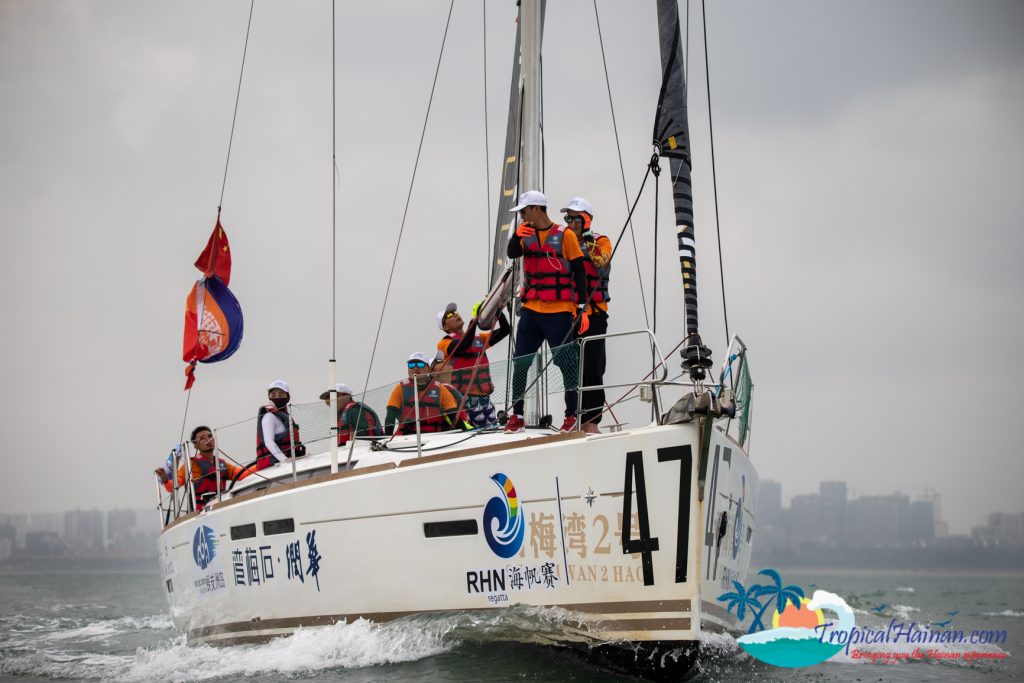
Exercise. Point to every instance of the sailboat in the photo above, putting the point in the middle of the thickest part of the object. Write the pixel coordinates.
(630, 535)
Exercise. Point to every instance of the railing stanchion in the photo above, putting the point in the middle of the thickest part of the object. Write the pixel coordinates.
(416, 412)
(216, 464)
(188, 479)
(291, 441)
(579, 387)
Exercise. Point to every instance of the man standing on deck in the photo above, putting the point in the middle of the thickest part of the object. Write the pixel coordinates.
(597, 253)
(353, 417)
(554, 297)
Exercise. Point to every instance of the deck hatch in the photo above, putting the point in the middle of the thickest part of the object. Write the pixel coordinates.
(455, 527)
(243, 531)
(278, 526)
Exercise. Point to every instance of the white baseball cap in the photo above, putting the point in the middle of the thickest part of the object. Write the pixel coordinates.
(420, 356)
(450, 308)
(279, 384)
(340, 388)
(578, 204)
(530, 198)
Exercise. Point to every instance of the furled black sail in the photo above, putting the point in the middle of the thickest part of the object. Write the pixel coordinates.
(672, 139)
(509, 170)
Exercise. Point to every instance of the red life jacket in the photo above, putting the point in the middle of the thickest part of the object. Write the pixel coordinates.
(264, 458)
(471, 371)
(431, 414)
(547, 276)
(206, 485)
(369, 418)
(597, 278)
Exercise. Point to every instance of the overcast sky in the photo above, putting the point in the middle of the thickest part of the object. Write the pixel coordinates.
(870, 163)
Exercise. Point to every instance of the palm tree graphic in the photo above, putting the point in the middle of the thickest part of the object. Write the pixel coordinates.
(740, 600)
(743, 598)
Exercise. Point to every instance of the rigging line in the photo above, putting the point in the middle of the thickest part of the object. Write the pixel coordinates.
(334, 194)
(622, 170)
(234, 117)
(686, 61)
(184, 419)
(487, 153)
(714, 180)
(405, 211)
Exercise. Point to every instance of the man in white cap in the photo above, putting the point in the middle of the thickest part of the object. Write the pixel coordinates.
(554, 297)
(353, 417)
(597, 254)
(438, 409)
(463, 350)
(274, 441)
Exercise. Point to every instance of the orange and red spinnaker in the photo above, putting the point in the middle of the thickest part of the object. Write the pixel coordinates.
(213, 325)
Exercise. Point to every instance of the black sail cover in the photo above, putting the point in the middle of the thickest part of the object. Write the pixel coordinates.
(672, 139)
(509, 171)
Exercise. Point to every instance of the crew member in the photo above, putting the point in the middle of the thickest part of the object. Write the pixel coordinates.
(274, 442)
(466, 350)
(554, 296)
(204, 469)
(438, 409)
(353, 416)
(597, 254)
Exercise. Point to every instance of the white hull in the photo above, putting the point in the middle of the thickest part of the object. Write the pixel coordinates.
(401, 535)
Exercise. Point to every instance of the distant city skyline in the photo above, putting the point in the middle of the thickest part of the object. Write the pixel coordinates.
(835, 516)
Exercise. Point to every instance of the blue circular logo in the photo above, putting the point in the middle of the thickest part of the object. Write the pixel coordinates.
(503, 519)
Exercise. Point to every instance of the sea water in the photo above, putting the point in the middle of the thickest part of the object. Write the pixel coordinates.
(115, 626)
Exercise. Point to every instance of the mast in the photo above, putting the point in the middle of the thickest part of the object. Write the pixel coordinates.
(672, 140)
(530, 22)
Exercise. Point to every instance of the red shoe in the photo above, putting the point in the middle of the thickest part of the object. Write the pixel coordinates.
(570, 424)
(515, 424)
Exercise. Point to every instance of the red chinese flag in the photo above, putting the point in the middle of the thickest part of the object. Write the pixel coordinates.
(216, 257)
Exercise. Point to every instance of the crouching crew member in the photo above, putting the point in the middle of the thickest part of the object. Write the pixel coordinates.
(438, 409)
(274, 442)
(597, 254)
(353, 417)
(466, 350)
(204, 469)
(554, 296)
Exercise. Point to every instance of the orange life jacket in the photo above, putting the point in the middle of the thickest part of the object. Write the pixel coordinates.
(471, 371)
(206, 484)
(597, 278)
(547, 276)
(431, 414)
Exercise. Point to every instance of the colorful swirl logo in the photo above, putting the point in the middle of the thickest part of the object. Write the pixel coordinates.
(503, 519)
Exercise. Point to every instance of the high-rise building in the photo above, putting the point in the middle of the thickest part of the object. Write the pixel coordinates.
(876, 521)
(83, 530)
(769, 503)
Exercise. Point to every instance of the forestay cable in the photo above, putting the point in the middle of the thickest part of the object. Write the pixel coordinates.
(714, 181)
(622, 170)
(487, 153)
(224, 180)
(405, 211)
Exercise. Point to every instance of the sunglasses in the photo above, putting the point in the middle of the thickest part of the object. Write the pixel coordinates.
(416, 364)
(574, 219)
(450, 314)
